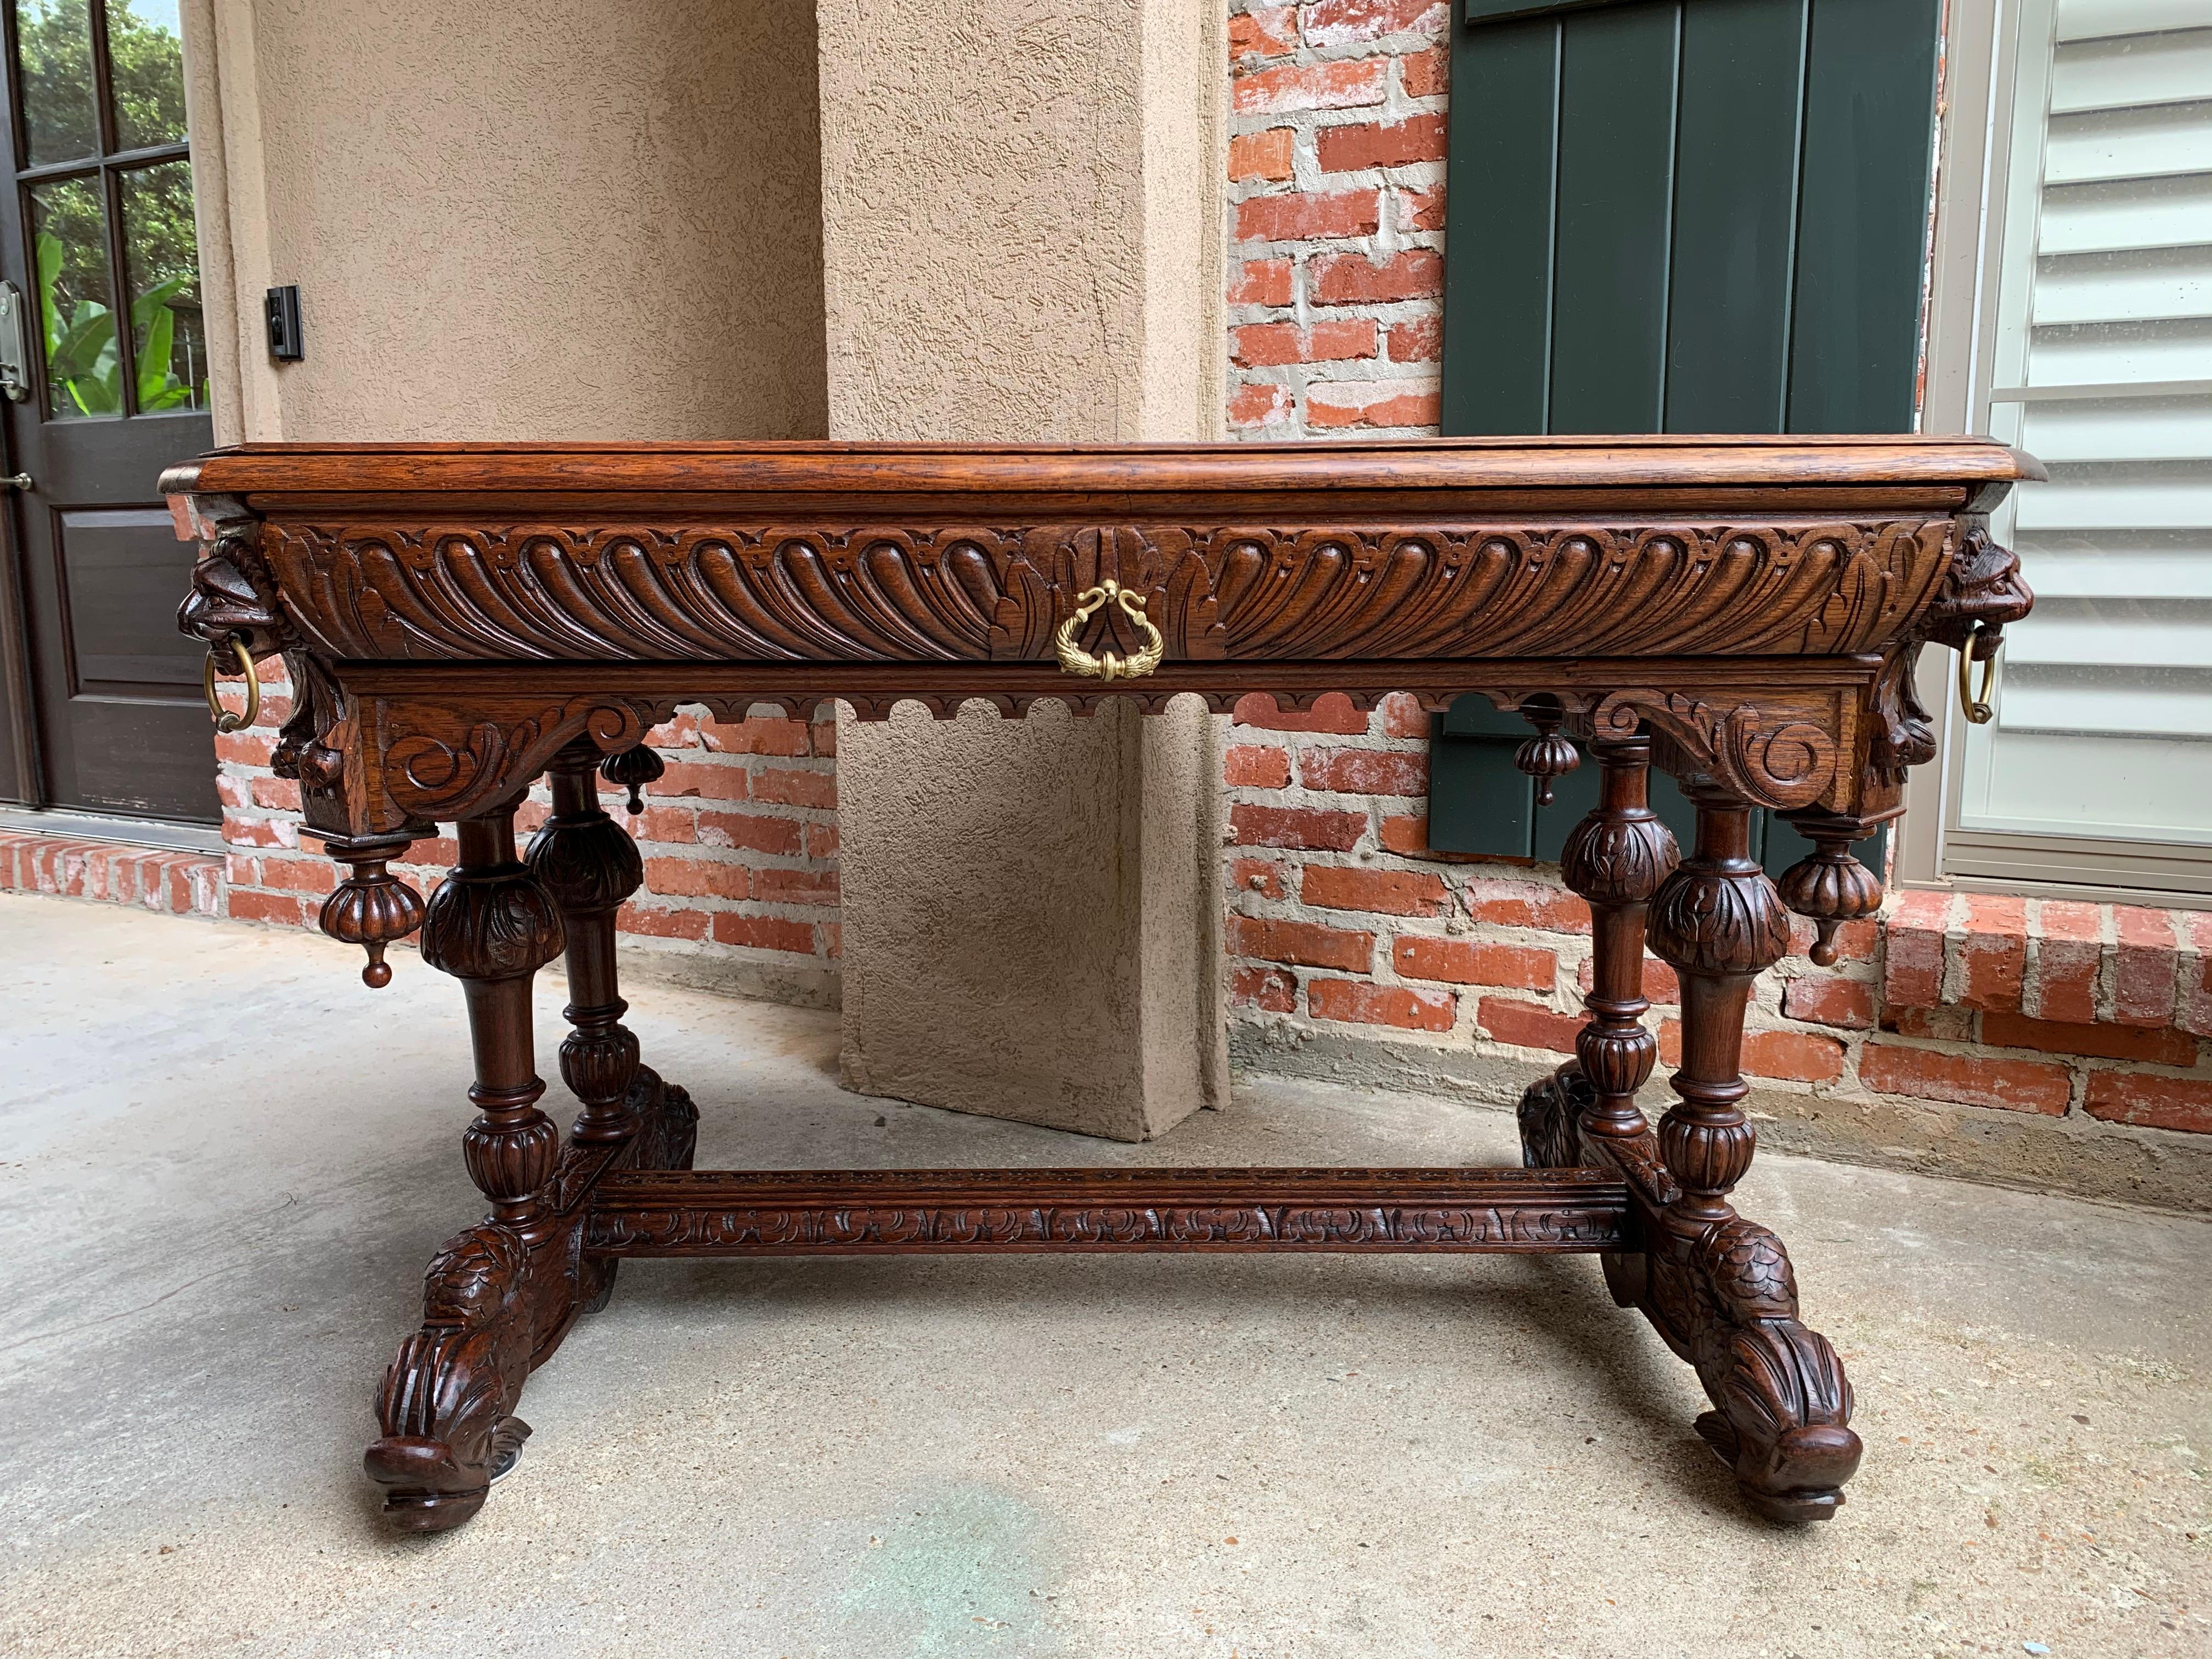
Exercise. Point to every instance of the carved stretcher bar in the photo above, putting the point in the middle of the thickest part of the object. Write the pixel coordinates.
(460, 620)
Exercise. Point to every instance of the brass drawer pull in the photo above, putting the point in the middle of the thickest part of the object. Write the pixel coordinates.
(1074, 660)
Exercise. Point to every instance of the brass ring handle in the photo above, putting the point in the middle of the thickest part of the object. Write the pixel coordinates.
(1979, 710)
(224, 719)
(1074, 660)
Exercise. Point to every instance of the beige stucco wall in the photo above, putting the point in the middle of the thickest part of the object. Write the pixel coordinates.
(1023, 205)
(560, 218)
(1016, 247)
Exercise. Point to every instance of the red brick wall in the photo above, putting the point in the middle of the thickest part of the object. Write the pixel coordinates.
(1336, 184)
(1341, 923)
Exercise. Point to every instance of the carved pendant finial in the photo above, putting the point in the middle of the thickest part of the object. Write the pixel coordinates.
(372, 906)
(1829, 885)
(1548, 754)
(632, 769)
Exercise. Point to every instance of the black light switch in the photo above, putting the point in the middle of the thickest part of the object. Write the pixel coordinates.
(285, 343)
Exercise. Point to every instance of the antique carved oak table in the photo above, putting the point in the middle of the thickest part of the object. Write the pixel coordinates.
(461, 619)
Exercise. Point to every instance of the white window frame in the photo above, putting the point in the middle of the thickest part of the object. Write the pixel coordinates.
(1977, 123)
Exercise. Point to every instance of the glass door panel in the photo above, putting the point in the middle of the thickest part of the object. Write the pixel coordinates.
(98, 235)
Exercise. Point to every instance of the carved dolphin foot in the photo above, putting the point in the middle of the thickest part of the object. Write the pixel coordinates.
(447, 1404)
(1784, 1405)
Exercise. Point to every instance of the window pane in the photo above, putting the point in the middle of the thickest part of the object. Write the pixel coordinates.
(69, 236)
(146, 67)
(169, 336)
(53, 42)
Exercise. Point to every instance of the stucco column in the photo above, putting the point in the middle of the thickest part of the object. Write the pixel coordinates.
(1021, 240)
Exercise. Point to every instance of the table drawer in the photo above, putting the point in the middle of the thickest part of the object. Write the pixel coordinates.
(715, 591)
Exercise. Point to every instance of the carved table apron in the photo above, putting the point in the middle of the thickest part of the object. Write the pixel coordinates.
(461, 619)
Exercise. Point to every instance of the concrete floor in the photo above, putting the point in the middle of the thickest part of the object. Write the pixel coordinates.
(226, 1165)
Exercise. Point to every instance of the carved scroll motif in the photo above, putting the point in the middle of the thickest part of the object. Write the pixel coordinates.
(1765, 754)
(443, 761)
(673, 592)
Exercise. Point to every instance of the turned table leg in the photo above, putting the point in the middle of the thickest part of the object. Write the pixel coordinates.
(1720, 1289)
(1616, 859)
(447, 1405)
(590, 866)
(1586, 1112)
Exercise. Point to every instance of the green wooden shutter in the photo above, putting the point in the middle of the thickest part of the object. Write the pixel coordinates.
(1674, 215)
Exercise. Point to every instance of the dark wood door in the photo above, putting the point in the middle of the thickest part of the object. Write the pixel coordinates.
(105, 713)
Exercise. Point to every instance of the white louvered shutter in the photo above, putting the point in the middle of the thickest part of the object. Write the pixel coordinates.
(2102, 366)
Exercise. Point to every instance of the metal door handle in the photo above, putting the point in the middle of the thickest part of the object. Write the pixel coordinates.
(15, 348)
(17, 481)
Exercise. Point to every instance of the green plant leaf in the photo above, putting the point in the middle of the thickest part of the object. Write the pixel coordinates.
(154, 376)
(77, 348)
(156, 298)
(49, 252)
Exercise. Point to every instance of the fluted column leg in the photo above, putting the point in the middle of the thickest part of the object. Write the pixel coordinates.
(447, 1404)
(1721, 1288)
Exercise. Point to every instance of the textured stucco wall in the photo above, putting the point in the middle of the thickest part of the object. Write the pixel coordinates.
(1017, 245)
(558, 219)
(1023, 215)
